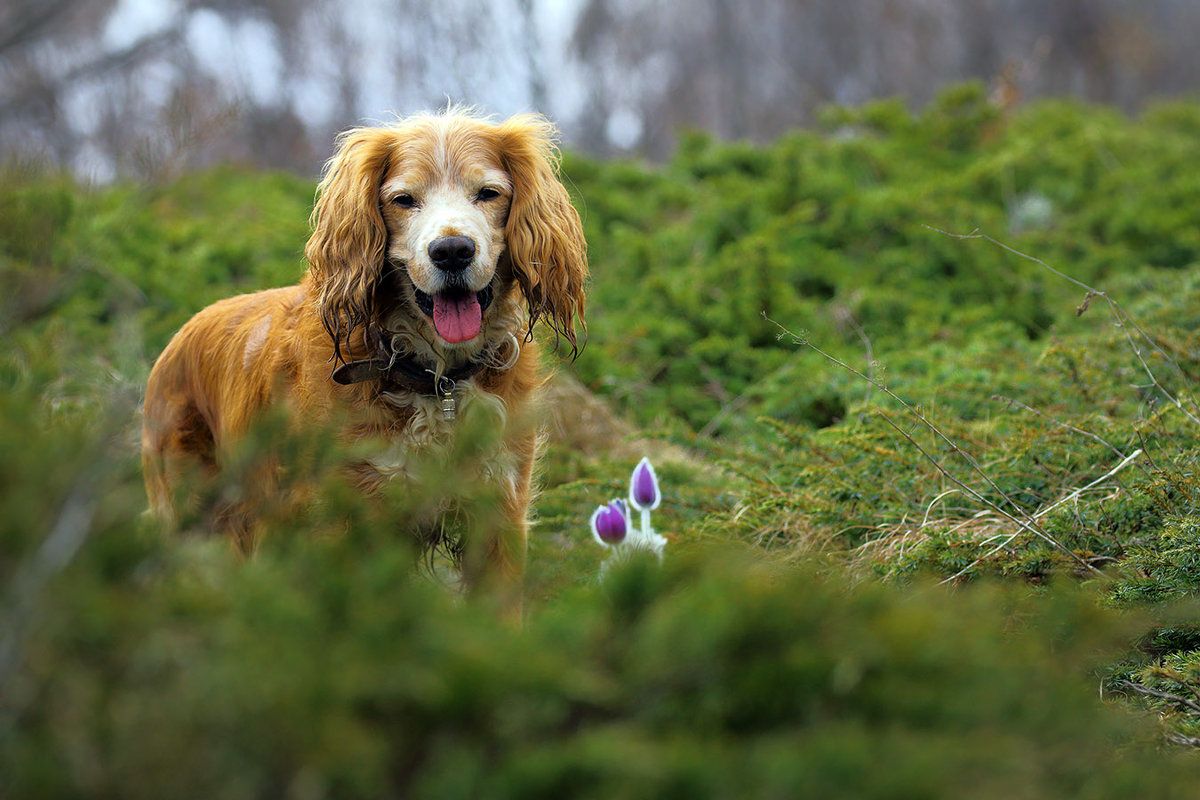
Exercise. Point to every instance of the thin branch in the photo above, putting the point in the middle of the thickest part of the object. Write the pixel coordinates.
(1059, 423)
(1174, 698)
(90, 70)
(936, 431)
(59, 547)
(23, 23)
(1129, 459)
(1043, 512)
(1186, 741)
(844, 315)
(1124, 320)
(1023, 524)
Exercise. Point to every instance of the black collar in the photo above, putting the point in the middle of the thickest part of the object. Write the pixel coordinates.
(398, 371)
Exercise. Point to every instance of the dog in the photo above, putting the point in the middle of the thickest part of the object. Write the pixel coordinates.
(438, 243)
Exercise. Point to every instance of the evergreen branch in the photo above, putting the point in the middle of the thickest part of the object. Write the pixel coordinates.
(1174, 698)
(1044, 511)
(1025, 525)
(1186, 741)
(1124, 320)
(66, 536)
(1028, 524)
(1055, 421)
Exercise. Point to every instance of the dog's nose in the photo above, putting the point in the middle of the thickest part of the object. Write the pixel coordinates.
(452, 253)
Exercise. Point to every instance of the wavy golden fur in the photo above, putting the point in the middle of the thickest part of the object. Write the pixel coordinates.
(443, 239)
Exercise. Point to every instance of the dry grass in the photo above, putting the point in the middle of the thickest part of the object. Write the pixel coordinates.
(578, 420)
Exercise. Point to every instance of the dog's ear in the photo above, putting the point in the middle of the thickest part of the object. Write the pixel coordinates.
(545, 237)
(348, 245)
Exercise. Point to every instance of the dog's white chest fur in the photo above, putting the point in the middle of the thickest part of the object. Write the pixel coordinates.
(430, 434)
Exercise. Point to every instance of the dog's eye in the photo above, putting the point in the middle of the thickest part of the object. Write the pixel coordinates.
(404, 200)
(486, 194)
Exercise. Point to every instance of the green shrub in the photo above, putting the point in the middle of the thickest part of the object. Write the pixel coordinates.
(328, 666)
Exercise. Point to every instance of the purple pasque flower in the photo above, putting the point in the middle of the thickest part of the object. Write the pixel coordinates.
(610, 523)
(643, 487)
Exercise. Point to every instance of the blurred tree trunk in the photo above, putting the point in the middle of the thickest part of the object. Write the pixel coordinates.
(639, 70)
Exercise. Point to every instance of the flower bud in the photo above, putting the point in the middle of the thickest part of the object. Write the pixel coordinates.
(609, 524)
(643, 487)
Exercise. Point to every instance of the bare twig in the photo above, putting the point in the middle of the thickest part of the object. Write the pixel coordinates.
(1123, 320)
(1025, 525)
(24, 22)
(1043, 512)
(845, 316)
(1174, 698)
(110, 62)
(1186, 741)
(1058, 422)
(1129, 459)
(59, 547)
(954, 448)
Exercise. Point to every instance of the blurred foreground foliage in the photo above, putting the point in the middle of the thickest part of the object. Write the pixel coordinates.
(796, 643)
(329, 667)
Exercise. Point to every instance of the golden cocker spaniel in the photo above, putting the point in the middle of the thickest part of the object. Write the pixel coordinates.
(438, 242)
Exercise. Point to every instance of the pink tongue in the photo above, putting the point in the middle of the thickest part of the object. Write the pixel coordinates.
(457, 317)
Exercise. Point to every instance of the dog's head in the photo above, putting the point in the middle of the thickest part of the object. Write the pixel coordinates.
(439, 226)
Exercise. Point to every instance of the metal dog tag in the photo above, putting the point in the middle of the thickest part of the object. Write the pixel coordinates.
(449, 405)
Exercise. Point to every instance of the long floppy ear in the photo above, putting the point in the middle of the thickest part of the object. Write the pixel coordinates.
(545, 237)
(348, 245)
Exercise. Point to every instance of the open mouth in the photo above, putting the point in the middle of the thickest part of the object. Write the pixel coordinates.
(457, 314)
